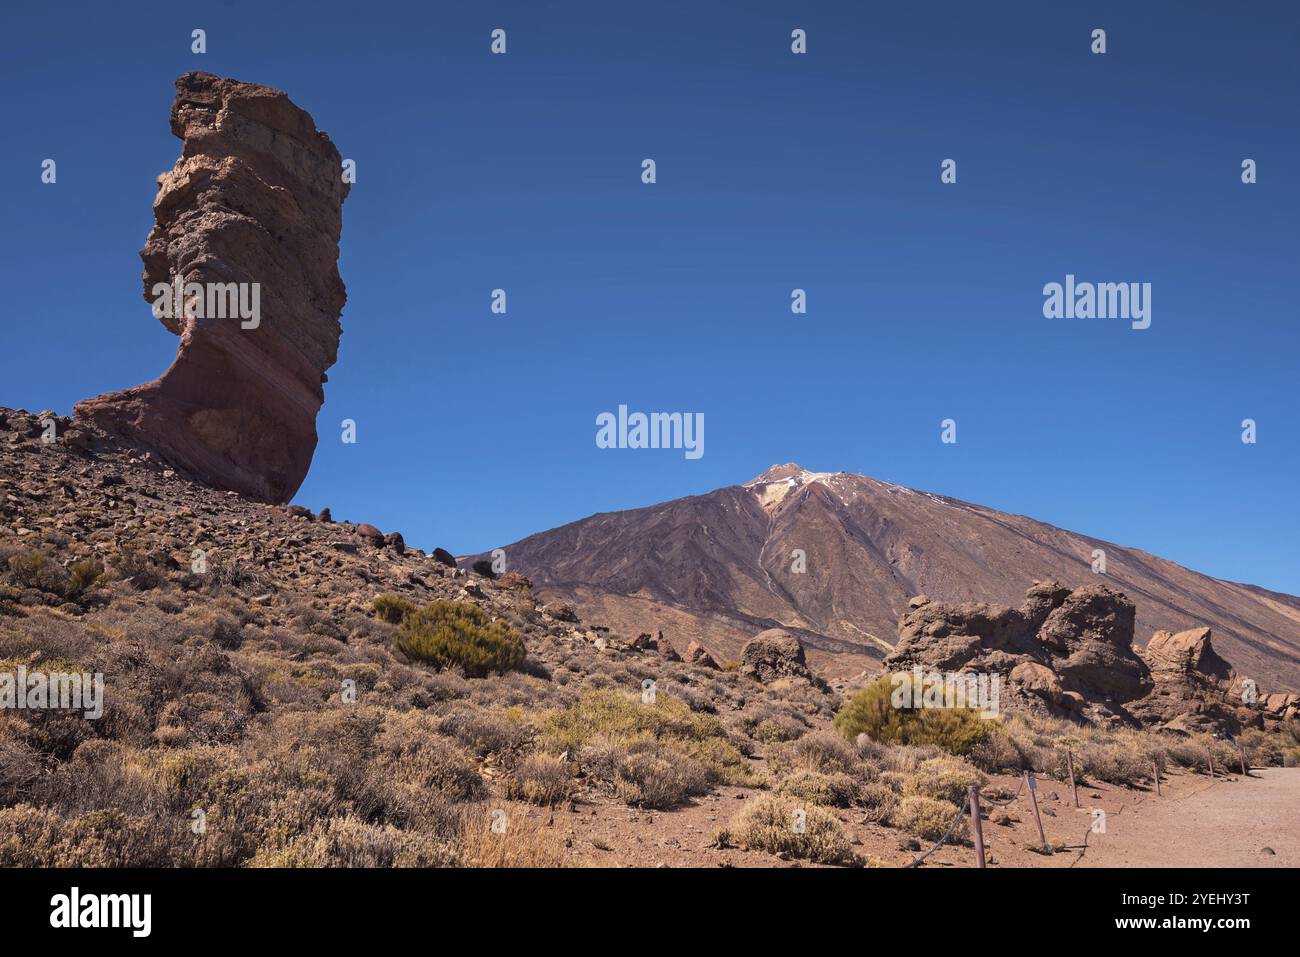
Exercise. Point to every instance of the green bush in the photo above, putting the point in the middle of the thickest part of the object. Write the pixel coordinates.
(611, 718)
(871, 712)
(392, 609)
(83, 577)
(454, 633)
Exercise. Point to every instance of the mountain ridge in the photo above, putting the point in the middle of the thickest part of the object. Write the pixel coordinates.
(718, 566)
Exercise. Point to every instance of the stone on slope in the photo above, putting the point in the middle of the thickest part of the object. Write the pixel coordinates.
(255, 199)
(772, 655)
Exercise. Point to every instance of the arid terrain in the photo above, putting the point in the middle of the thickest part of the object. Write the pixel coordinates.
(260, 679)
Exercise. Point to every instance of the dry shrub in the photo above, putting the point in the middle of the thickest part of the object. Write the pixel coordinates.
(520, 842)
(41, 837)
(487, 732)
(20, 768)
(349, 842)
(540, 779)
(945, 778)
(458, 634)
(871, 712)
(819, 751)
(878, 800)
(786, 828)
(928, 818)
(778, 728)
(833, 790)
(392, 609)
(611, 717)
(653, 775)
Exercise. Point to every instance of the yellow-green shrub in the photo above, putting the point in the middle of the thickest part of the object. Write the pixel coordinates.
(453, 633)
(871, 712)
(392, 609)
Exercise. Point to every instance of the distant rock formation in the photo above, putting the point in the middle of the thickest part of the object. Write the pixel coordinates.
(255, 198)
(1071, 652)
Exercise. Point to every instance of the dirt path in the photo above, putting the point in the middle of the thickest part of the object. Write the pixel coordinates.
(1198, 824)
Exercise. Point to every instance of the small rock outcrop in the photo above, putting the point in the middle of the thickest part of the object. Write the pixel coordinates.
(772, 655)
(246, 233)
(696, 655)
(1195, 689)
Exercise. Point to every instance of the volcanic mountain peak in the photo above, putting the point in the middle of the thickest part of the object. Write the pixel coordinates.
(774, 486)
(836, 557)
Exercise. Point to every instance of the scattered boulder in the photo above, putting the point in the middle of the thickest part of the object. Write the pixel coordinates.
(514, 581)
(665, 648)
(370, 534)
(564, 611)
(444, 557)
(774, 654)
(696, 655)
(1187, 652)
(396, 542)
(1195, 689)
(484, 568)
(324, 515)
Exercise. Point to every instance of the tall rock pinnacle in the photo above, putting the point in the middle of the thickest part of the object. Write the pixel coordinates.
(242, 264)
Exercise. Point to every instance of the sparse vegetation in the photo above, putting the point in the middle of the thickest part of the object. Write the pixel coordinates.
(928, 818)
(317, 725)
(871, 712)
(786, 828)
(449, 634)
(541, 779)
(392, 609)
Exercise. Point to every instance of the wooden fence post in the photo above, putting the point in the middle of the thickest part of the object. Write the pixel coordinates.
(1155, 770)
(1242, 754)
(1033, 800)
(976, 826)
(1211, 755)
(1069, 761)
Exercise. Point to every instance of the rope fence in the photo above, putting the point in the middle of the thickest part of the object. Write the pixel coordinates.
(971, 806)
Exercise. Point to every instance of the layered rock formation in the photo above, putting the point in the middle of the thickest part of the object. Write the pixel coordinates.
(255, 199)
(1070, 651)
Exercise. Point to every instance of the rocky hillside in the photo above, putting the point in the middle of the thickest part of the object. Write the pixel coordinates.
(270, 699)
(715, 568)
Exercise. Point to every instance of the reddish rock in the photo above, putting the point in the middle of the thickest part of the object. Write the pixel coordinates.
(774, 654)
(371, 534)
(256, 197)
(666, 650)
(1186, 652)
(444, 557)
(696, 655)
(564, 611)
(396, 542)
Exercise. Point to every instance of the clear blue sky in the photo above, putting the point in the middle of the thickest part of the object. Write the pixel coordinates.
(775, 171)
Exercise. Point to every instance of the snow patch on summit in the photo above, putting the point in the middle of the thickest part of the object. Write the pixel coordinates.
(775, 485)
